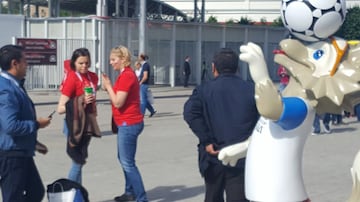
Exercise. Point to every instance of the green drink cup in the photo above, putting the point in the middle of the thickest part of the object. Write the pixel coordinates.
(88, 90)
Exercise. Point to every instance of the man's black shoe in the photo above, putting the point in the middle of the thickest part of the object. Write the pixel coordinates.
(124, 198)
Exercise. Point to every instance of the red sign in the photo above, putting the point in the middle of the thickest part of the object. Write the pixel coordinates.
(39, 51)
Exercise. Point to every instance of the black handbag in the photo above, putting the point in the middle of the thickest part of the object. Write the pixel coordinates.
(114, 127)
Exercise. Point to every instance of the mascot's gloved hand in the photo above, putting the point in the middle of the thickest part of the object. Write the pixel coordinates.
(268, 100)
(253, 55)
(231, 154)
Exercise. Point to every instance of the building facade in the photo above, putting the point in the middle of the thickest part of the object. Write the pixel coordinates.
(256, 10)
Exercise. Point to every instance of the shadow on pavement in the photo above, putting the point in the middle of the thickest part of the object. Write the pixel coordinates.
(173, 193)
(343, 130)
(165, 114)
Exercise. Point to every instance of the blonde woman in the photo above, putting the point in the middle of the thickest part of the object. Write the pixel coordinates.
(125, 100)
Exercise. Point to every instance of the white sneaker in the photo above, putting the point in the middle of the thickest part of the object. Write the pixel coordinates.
(327, 129)
(324, 128)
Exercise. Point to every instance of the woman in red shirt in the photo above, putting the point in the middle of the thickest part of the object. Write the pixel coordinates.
(125, 99)
(77, 78)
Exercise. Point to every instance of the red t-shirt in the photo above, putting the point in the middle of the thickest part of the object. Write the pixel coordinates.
(129, 113)
(74, 86)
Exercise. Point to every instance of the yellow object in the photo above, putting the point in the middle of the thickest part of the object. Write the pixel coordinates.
(353, 42)
(340, 53)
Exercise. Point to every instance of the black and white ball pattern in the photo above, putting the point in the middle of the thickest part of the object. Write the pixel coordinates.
(313, 20)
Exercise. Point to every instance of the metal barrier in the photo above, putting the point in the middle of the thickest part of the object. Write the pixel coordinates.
(166, 43)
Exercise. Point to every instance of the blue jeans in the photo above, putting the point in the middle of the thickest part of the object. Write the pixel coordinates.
(127, 142)
(357, 111)
(326, 120)
(75, 172)
(336, 118)
(144, 103)
(19, 175)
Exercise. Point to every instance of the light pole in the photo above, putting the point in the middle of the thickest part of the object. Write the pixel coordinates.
(142, 20)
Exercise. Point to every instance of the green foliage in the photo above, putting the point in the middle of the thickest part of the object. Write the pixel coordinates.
(15, 8)
(350, 30)
(212, 19)
(66, 13)
(4, 10)
(263, 21)
(277, 22)
(245, 21)
(230, 22)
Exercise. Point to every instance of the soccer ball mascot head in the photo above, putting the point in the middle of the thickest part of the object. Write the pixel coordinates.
(313, 20)
(324, 78)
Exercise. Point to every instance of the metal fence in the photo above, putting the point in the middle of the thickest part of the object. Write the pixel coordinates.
(166, 43)
(50, 76)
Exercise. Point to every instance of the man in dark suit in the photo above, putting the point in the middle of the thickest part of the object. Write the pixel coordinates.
(222, 112)
(187, 71)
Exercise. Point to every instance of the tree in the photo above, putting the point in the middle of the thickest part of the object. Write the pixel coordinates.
(245, 21)
(350, 28)
(230, 22)
(212, 19)
(278, 22)
(263, 21)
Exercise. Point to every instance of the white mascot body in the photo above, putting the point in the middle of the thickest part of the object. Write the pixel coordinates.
(266, 162)
(324, 78)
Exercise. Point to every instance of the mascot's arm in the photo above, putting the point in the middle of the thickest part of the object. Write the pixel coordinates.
(231, 154)
(268, 100)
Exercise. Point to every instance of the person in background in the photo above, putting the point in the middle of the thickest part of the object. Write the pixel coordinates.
(187, 71)
(357, 111)
(336, 119)
(78, 80)
(203, 71)
(326, 122)
(20, 179)
(144, 79)
(222, 112)
(284, 77)
(125, 100)
(137, 69)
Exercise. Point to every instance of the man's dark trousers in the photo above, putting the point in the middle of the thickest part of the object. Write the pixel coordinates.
(186, 80)
(219, 178)
(19, 175)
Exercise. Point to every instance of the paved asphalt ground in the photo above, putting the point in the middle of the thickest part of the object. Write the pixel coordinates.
(167, 156)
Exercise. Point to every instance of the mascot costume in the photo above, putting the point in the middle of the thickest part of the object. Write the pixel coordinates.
(324, 78)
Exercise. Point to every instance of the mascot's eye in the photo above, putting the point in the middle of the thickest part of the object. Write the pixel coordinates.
(318, 54)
